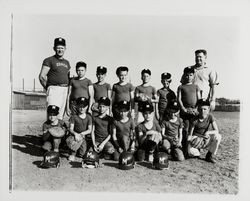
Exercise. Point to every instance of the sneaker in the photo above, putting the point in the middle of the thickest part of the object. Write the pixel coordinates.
(150, 158)
(72, 158)
(210, 158)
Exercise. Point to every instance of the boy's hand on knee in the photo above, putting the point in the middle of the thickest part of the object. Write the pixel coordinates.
(120, 150)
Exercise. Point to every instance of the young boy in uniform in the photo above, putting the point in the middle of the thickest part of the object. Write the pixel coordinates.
(172, 132)
(53, 121)
(79, 87)
(144, 93)
(122, 91)
(80, 127)
(165, 95)
(200, 137)
(101, 88)
(187, 96)
(148, 134)
(102, 129)
(123, 130)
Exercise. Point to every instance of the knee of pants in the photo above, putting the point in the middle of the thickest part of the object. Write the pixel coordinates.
(109, 148)
(216, 137)
(125, 142)
(179, 154)
(83, 148)
(166, 144)
(56, 142)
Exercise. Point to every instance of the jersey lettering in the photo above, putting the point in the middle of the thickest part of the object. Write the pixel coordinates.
(61, 64)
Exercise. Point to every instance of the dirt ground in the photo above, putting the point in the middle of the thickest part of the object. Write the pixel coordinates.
(189, 176)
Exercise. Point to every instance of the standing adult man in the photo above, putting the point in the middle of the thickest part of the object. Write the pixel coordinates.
(204, 77)
(54, 76)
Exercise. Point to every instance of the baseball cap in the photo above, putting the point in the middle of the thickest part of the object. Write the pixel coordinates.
(82, 102)
(172, 107)
(188, 70)
(104, 101)
(166, 76)
(59, 41)
(53, 110)
(101, 70)
(147, 107)
(146, 71)
(124, 105)
(203, 102)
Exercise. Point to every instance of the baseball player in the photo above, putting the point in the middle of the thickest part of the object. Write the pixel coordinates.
(187, 96)
(165, 95)
(52, 140)
(102, 129)
(123, 130)
(80, 127)
(101, 88)
(148, 134)
(144, 92)
(79, 86)
(200, 137)
(122, 91)
(172, 132)
(54, 77)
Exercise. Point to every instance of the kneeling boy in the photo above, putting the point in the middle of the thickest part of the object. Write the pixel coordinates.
(102, 129)
(200, 137)
(50, 141)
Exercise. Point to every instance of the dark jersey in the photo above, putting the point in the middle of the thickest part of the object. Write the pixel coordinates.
(59, 71)
(101, 90)
(80, 88)
(103, 127)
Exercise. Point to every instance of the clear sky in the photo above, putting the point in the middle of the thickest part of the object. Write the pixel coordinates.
(160, 43)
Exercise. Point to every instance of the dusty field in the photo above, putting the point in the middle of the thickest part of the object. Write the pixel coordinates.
(192, 175)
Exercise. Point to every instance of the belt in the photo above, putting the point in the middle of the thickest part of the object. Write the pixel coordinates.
(60, 85)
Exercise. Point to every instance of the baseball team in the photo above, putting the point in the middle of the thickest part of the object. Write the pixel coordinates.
(127, 121)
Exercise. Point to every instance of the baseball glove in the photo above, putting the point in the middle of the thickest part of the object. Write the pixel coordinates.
(154, 136)
(198, 142)
(57, 131)
(72, 143)
(192, 111)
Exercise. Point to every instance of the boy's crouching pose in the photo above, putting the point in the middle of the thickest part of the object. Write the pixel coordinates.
(148, 134)
(52, 141)
(172, 132)
(80, 127)
(102, 129)
(200, 136)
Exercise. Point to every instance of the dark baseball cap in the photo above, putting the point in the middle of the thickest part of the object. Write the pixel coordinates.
(104, 101)
(82, 102)
(59, 41)
(124, 105)
(147, 107)
(172, 107)
(203, 102)
(166, 76)
(101, 70)
(146, 71)
(188, 70)
(53, 110)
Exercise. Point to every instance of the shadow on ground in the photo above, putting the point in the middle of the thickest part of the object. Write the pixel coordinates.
(28, 144)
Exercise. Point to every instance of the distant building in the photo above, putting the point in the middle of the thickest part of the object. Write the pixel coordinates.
(26, 100)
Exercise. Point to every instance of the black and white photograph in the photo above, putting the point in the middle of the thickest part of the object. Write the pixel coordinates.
(132, 100)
